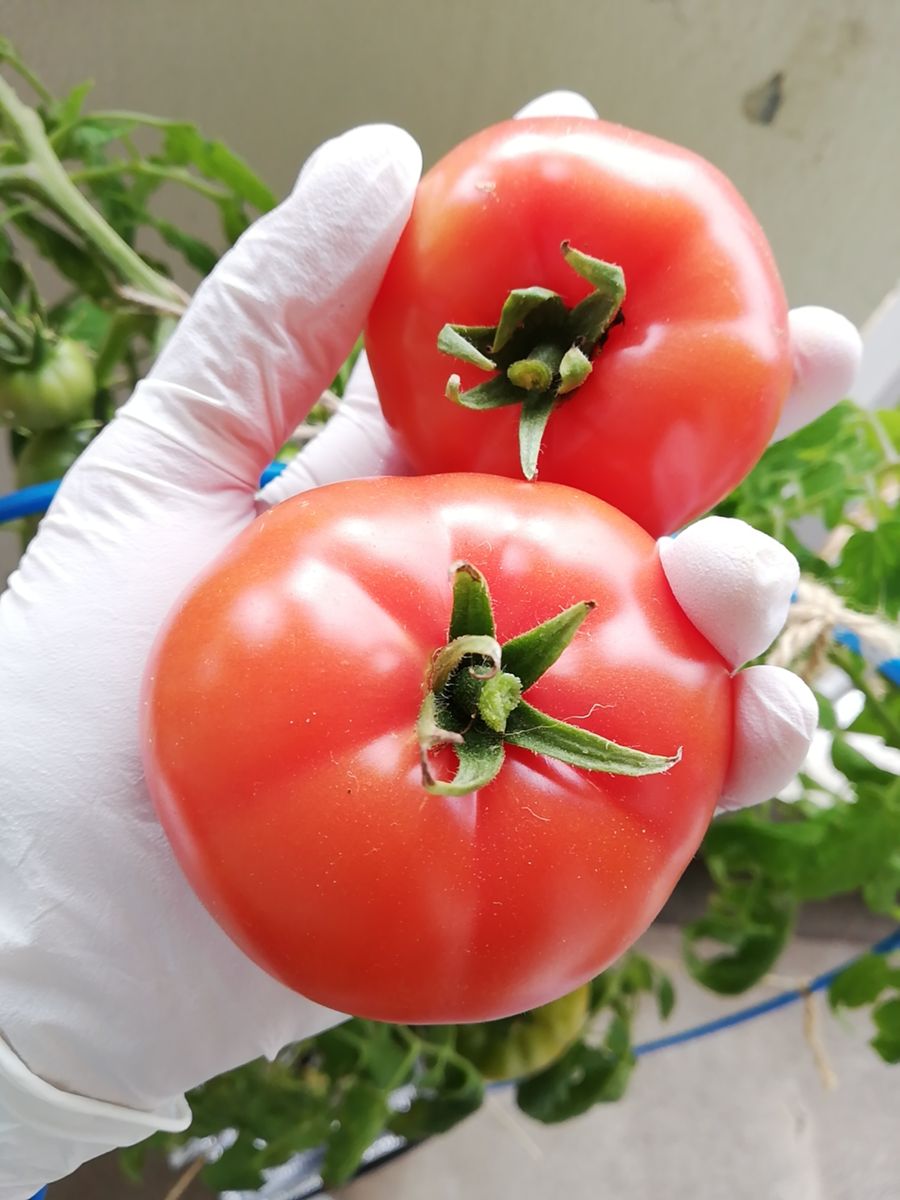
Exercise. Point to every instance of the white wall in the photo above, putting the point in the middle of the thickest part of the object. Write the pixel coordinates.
(275, 77)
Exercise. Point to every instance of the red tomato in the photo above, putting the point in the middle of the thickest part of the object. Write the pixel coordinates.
(685, 393)
(279, 722)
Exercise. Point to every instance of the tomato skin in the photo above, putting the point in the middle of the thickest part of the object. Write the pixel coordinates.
(684, 396)
(55, 393)
(278, 729)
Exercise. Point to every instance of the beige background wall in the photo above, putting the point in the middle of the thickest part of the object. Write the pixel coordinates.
(275, 77)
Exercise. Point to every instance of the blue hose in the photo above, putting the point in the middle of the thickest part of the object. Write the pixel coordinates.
(30, 501)
(782, 1000)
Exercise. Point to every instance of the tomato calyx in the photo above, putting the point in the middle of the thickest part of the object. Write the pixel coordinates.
(473, 702)
(540, 349)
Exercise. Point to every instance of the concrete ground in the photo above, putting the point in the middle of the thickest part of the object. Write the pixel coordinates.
(742, 1115)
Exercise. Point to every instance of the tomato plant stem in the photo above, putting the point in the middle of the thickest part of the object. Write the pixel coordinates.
(43, 176)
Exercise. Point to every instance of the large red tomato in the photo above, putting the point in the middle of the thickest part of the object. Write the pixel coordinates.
(280, 729)
(686, 385)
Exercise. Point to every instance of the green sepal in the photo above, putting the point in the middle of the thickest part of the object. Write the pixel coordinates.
(436, 725)
(530, 654)
(536, 410)
(476, 709)
(605, 277)
(480, 756)
(519, 304)
(532, 730)
(450, 656)
(573, 370)
(540, 348)
(468, 343)
(495, 393)
(472, 613)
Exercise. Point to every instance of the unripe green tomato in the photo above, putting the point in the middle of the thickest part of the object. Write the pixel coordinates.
(58, 391)
(49, 455)
(523, 1045)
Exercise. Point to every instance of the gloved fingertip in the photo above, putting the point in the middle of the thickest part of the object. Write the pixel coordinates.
(826, 350)
(559, 103)
(775, 718)
(733, 582)
(390, 150)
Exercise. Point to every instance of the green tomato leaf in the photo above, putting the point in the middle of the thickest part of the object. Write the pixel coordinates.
(185, 146)
(344, 1049)
(854, 765)
(361, 1116)
(887, 1047)
(238, 1169)
(67, 110)
(196, 252)
(83, 320)
(869, 570)
(827, 718)
(888, 420)
(861, 983)
(387, 1053)
(665, 996)
(12, 276)
(86, 138)
(887, 1018)
(859, 844)
(755, 929)
(450, 1090)
(636, 974)
(618, 1037)
(582, 1077)
(234, 218)
(72, 262)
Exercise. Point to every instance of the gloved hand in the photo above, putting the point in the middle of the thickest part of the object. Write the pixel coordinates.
(117, 990)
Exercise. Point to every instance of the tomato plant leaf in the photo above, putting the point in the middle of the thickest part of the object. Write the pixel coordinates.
(361, 1116)
(582, 1077)
(860, 983)
(185, 145)
(72, 262)
(239, 1167)
(196, 252)
(450, 1090)
(850, 762)
(869, 569)
(887, 1047)
(665, 996)
(755, 928)
(887, 1018)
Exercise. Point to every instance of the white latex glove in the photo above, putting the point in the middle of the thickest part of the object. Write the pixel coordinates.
(115, 983)
(117, 990)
